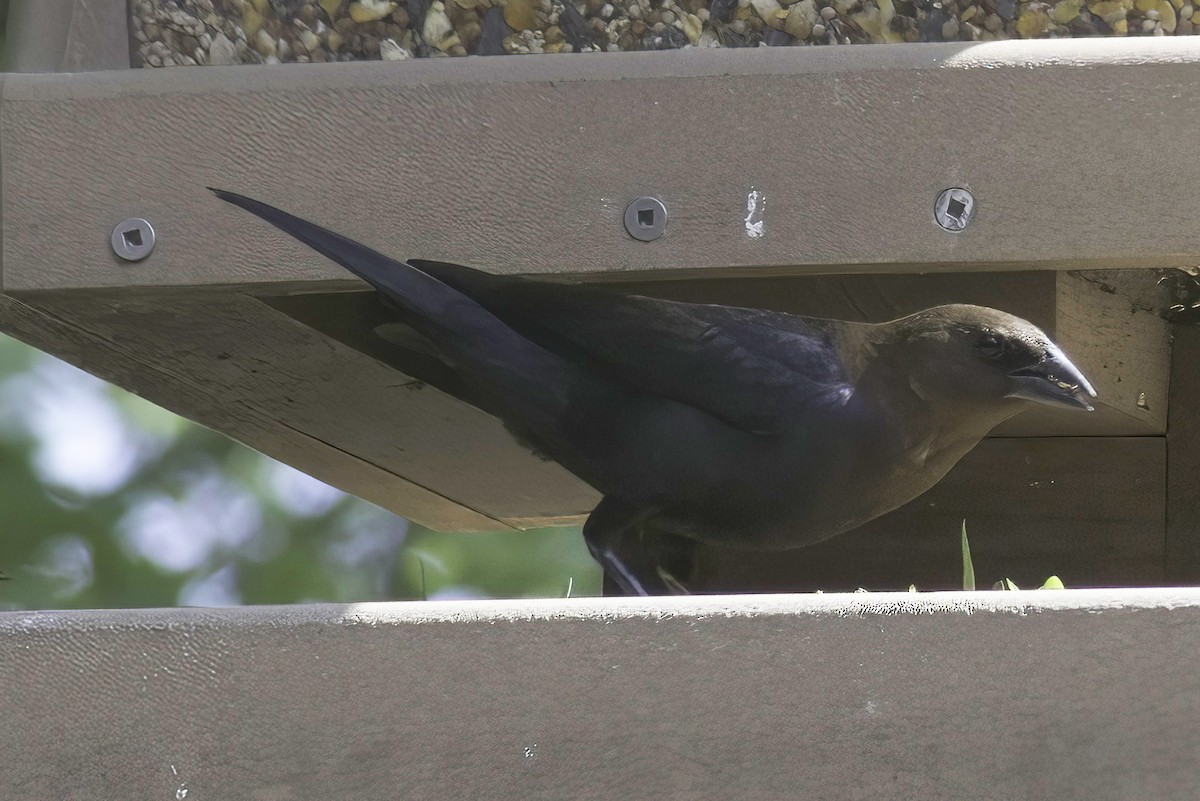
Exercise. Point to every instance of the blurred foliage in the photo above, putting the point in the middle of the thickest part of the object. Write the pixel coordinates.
(109, 501)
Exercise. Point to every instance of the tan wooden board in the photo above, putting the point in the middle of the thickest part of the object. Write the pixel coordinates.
(525, 164)
(455, 447)
(1088, 509)
(1069, 695)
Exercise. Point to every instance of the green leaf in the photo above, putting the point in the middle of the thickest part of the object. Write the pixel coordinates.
(1053, 583)
(912, 587)
(1008, 585)
(968, 568)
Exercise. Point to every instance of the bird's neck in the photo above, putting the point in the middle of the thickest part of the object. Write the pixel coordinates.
(913, 415)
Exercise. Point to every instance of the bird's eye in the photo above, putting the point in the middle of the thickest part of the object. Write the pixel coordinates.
(991, 343)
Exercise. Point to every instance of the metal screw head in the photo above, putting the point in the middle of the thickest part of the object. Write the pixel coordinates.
(133, 239)
(646, 218)
(954, 208)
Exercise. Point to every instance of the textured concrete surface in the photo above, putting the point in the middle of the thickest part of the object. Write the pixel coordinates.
(1067, 695)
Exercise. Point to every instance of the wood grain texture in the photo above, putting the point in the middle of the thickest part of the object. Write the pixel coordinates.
(1183, 461)
(1113, 320)
(341, 416)
(525, 165)
(1041, 695)
(1088, 509)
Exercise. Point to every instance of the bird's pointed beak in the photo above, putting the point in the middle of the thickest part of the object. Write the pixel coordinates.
(1053, 381)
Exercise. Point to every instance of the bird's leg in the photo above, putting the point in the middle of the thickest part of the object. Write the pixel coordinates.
(673, 558)
(674, 584)
(612, 536)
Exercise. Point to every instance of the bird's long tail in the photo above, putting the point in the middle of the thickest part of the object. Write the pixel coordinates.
(521, 377)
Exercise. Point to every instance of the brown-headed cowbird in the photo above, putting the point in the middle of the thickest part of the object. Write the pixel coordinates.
(731, 426)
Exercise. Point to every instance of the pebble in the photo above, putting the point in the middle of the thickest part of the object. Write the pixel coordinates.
(519, 15)
(1161, 11)
(1108, 10)
(222, 52)
(437, 30)
(766, 10)
(1065, 11)
(390, 50)
(264, 43)
(370, 10)
(801, 19)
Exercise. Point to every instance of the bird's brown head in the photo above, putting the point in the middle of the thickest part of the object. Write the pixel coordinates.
(976, 354)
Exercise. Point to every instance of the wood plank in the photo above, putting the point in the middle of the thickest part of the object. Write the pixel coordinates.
(1183, 460)
(1114, 323)
(236, 380)
(521, 165)
(1088, 509)
(1059, 695)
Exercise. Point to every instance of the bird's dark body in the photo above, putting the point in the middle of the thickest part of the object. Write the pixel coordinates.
(714, 424)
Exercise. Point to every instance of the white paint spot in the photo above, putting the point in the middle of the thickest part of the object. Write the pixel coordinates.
(756, 205)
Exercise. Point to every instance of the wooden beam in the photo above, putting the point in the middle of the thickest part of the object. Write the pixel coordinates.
(1081, 694)
(526, 164)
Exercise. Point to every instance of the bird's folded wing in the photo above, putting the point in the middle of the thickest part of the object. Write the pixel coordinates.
(757, 370)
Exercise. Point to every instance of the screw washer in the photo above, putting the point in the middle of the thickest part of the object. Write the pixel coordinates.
(646, 219)
(954, 208)
(133, 239)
